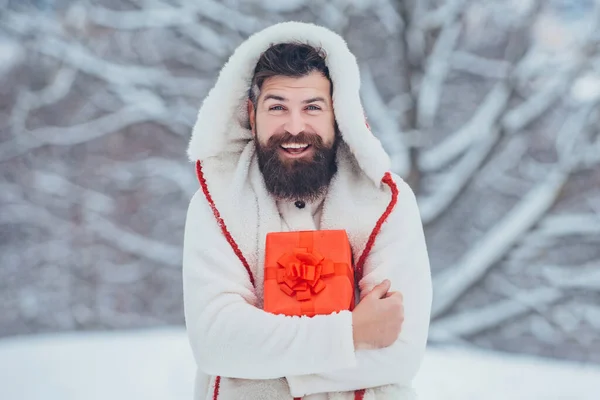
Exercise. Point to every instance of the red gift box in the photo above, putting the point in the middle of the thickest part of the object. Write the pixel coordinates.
(308, 273)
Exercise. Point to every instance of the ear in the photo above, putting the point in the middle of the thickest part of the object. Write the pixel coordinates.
(252, 117)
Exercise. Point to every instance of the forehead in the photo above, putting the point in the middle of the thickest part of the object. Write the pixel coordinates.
(309, 85)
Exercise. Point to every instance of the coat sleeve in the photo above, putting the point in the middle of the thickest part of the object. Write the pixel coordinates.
(228, 334)
(400, 255)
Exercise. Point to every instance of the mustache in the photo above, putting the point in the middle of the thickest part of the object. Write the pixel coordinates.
(303, 137)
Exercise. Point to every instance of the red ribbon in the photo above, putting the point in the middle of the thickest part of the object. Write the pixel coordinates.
(300, 273)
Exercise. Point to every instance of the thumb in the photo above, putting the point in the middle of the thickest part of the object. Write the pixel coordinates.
(380, 290)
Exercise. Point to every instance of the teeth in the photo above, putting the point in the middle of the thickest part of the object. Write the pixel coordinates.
(294, 146)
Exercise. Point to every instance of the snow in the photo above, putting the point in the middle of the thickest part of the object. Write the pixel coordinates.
(586, 88)
(158, 364)
(11, 54)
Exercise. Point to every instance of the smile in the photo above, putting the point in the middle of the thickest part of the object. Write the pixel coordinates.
(295, 149)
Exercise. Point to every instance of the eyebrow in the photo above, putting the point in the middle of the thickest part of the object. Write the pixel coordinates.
(274, 97)
(307, 101)
(314, 100)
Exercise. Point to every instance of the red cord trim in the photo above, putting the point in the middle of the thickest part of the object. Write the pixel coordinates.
(217, 387)
(230, 240)
(221, 223)
(388, 180)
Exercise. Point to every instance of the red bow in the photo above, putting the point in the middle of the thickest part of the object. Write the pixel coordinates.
(300, 273)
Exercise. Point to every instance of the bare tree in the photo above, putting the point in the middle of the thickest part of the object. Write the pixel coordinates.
(489, 180)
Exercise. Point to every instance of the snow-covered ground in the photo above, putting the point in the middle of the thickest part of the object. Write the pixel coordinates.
(157, 364)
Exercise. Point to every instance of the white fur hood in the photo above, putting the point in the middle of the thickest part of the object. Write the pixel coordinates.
(222, 124)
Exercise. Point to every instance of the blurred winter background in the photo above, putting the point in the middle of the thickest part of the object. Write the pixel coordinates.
(489, 108)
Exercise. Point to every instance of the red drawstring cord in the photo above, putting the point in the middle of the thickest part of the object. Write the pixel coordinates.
(217, 387)
(387, 179)
(220, 221)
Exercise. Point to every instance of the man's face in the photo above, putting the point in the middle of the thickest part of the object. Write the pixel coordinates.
(295, 135)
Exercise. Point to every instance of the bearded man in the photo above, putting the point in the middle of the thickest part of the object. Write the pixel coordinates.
(281, 145)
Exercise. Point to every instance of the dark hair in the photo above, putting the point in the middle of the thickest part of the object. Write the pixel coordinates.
(287, 59)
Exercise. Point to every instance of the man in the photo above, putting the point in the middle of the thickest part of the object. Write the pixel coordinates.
(281, 144)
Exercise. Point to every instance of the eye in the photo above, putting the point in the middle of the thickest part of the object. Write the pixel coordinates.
(312, 107)
(276, 108)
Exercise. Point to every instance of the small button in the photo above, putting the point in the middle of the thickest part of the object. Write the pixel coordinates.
(300, 204)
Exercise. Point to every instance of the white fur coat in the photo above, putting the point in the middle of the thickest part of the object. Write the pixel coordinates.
(263, 356)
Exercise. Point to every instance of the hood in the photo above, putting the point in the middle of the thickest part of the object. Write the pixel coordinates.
(222, 127)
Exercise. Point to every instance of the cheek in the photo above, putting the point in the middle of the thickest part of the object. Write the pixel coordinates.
(265, 128)
(326, 129)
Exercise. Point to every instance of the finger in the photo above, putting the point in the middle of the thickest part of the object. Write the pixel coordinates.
(396, 295)
(380, 290)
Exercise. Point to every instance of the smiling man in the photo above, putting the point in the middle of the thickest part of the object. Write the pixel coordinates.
(292, 120)
(281, 144)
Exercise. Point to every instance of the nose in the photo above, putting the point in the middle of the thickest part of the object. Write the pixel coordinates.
(295, 123)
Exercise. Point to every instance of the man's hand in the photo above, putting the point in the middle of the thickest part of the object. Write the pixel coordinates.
(377, 319)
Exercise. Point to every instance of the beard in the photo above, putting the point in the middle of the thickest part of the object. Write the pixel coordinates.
(304, 178)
